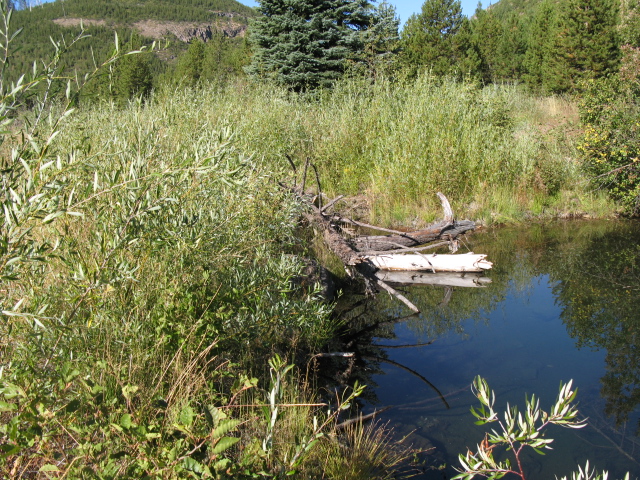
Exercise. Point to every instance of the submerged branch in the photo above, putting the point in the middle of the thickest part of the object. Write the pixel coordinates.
(413, 372)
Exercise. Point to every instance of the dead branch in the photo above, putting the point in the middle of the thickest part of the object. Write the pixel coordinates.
(361, 418)
(398, 295)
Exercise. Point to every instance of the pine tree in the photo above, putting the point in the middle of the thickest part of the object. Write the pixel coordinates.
(382, 40)
(585, 45)
(304, 44)
(428, 38)
(512, 47)
(132, 76)
(539, 43)
(225, 58)
(486, 32)
(189, 69)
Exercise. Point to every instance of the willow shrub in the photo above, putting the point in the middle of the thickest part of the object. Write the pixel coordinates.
(609, 146)
(400, 143)
(144, 261)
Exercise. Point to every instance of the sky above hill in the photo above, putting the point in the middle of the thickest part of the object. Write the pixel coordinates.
(406, 8)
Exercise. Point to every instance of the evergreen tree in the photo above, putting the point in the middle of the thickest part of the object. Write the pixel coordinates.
(225, 58)
(132, 75)
(485, 37)
(428, 38)
(189, 69)
(382, 40)
(512, 48)
(539, 43)
(585, 45)
(304, 43)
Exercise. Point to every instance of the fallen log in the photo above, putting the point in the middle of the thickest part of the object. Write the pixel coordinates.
(356, 253)
(448, 229)
(413, 239)
(468, 262)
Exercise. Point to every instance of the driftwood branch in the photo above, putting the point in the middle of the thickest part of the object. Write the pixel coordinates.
(331, 203)
(406, 250)
(442, 230)
(293, 167)
(403, 346)
(413, 372)
(446, 206)
(361, 418)
(398, 295)
(349, 221)
(359, 254)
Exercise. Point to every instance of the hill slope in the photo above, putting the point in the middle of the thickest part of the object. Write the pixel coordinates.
(175, 21)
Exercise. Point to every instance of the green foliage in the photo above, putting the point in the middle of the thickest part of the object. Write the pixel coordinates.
(539, 44)
(598, 308)
(518, 430)
(129, 297)
(382, 41)
(221, 59)
(305, 45)
(485, 34)
(428, 38)
(609, 145)
(132, 74)
(190, 65)
(585, 44)
(102, 18)
(130, 11)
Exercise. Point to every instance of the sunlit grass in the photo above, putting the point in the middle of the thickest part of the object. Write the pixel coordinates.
(495, 151)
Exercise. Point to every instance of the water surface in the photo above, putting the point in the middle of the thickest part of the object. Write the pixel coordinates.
(563, 303)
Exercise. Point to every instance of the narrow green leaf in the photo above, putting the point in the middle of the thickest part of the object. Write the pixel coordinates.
(49, 468)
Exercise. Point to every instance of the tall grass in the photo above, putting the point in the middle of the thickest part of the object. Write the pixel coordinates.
(497, 152)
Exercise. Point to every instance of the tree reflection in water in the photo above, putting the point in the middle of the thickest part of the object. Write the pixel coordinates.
(594, 270)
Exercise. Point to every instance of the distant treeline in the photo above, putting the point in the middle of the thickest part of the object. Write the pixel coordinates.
(551, 46)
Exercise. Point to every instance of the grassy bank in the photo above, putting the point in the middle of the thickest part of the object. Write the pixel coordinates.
(498, 153)
(147, 265)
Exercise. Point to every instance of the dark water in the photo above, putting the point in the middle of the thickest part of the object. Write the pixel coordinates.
(563, 303)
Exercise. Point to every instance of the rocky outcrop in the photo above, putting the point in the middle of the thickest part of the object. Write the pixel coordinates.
(188, 31)
(183, 31)
(75, 22)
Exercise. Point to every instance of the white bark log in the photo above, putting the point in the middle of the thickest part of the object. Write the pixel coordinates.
(468, 262)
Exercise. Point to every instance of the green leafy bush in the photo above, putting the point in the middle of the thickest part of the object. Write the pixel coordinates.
(610, 145)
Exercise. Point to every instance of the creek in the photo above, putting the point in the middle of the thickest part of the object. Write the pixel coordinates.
(563, 303)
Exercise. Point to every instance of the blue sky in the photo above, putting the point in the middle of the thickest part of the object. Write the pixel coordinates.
(407, 7)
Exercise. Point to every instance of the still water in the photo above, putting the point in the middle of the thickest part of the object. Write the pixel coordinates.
(563, 303)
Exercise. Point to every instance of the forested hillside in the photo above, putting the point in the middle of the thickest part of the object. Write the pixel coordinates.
(172, 23)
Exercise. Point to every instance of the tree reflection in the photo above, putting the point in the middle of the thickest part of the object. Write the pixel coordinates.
(595, 269)
(597, 288)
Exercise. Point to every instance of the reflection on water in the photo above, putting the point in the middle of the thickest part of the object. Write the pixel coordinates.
(563, 303)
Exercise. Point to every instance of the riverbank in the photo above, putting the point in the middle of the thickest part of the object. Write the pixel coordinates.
(149, 254)
(498, 153)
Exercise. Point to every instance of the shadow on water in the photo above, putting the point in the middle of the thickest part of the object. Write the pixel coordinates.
(563, 303)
